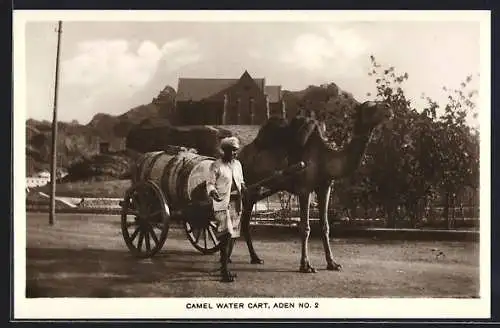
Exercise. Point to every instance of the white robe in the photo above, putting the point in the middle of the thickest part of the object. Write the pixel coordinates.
(222, 176)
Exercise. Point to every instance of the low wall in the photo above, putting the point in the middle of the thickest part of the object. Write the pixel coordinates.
(372, 233)
(265, 229)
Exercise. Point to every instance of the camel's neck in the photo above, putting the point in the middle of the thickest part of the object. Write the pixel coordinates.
(348, 159)
(355, 151)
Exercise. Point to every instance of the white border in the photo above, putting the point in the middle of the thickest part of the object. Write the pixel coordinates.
(174, 308)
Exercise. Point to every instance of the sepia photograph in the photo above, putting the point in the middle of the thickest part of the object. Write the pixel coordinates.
(251, 164)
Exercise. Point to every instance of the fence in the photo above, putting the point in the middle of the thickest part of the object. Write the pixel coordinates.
(284, 208)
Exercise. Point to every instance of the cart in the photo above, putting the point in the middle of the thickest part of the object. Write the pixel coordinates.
(147, 213)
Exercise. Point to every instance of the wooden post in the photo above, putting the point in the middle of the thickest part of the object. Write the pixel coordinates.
(224, 113)
(53, 164)
(268, 110)
(283, 109)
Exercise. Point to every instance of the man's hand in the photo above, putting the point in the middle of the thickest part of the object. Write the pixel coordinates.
(245, 193)
(215, 195)
(244, 190)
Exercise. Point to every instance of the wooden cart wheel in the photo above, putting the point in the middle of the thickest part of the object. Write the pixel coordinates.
(202, 236)
(145, 219)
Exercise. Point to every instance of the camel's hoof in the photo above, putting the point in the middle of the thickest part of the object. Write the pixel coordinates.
(334, 267)
(307, 269)
(257, 261)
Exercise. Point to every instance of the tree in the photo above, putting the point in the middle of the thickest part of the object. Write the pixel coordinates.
(165, 101)
(457, 146)
(391, 156)
(420, 153)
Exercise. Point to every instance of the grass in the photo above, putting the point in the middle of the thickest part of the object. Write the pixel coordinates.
(94, 189)
(103, 189)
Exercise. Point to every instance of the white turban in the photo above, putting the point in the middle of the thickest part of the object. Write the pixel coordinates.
(230, 142)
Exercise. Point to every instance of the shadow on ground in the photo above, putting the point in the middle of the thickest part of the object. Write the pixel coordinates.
(53, 272)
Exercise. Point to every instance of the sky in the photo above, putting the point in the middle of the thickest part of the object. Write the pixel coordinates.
(110, 67)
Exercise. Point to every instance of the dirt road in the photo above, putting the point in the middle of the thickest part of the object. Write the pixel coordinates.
(85, 256)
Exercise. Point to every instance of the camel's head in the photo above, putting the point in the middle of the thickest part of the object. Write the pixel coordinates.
(370, 114)
(302, 128)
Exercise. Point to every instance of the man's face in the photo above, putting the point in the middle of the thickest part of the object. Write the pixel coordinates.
(230, 153)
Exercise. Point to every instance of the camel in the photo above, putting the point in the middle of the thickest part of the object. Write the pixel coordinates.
(280, 144)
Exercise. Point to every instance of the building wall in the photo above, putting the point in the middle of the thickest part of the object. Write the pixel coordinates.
(240, 97)
(241, 100)
(275, 109)
(199, 113)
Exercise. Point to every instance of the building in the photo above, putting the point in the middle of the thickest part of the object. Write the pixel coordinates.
(245, 101)
(43, 177)
(103, 147)
(32, 182)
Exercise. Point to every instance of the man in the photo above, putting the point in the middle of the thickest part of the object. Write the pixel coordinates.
(226, 186)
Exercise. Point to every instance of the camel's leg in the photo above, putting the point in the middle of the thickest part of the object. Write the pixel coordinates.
(245, 230)
(305, 230)
(323, 200)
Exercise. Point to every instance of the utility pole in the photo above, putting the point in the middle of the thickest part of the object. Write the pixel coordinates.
(53, 164)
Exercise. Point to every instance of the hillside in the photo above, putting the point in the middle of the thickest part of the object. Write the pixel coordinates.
(119, 126)
(74, 141)
(80, 143)
(77, 142)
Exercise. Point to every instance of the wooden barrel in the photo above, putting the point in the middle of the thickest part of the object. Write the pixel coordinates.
(181, 176)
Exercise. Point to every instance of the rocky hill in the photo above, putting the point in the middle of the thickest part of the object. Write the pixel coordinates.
(79, 144)
(74, 141)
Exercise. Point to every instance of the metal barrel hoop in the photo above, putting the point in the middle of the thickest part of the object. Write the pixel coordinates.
(138, 167)
(166, 172)
(147, 171)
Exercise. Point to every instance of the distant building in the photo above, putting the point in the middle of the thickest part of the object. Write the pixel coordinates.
(104, 147)
(39, 179)
(210, 101)
(32, 182)
(109, 147)
(43, 177)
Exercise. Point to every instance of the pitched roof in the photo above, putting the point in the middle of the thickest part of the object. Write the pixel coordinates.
(273, 92)
(197, 89)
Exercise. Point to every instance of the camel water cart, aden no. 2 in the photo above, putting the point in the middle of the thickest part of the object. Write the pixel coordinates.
(170, 185)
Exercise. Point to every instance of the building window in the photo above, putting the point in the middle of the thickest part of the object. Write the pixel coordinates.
(252, 111)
